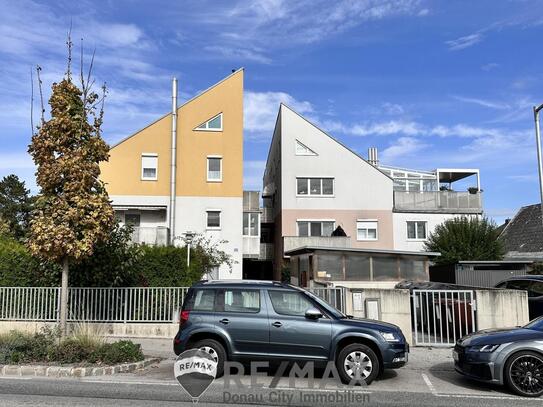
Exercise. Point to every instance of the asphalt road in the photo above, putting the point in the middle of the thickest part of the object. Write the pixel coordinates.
(72, 392)
(427, 380)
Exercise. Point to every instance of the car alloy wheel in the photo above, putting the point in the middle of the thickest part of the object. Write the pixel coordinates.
(526, 374)
(210, 351)
(357, 365)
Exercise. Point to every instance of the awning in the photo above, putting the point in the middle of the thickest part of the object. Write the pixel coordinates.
(138, 208)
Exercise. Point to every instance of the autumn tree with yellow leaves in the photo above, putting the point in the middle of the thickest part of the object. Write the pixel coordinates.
(72, 212)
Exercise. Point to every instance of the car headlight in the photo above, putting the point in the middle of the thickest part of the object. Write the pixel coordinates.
(390, 336)
(483, 348)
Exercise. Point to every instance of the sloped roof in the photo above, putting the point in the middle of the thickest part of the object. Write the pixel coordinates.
(524, 233)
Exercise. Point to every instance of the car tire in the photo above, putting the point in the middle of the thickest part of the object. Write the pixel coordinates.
(363, 355)
(523, 374)
(215, 349)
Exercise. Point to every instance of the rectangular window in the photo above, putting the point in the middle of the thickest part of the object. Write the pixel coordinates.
(213, 219)
(237, 300)
(250, 224)
(315, 186)
(416, 230)
(315, 228)
(214, 169)
(149, 166)
(366, 229)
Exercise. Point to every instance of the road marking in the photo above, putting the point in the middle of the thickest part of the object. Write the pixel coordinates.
(429, 384)
(322, 390)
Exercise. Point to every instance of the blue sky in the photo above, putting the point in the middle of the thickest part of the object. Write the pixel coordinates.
(430, 83)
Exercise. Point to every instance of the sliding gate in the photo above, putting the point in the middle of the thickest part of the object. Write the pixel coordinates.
(441, 317)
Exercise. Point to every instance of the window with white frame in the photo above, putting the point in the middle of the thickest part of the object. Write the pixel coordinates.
(250, 223)
(213, 219)
(149, 166)
(213, 124)
(302, 149)
(315, 227)
(366, 229)
(214, 169)
(315, 186)
(416, 230)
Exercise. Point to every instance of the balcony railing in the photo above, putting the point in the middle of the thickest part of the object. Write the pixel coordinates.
(154, 236)
(438, 201)
(294, 242)
(267, 215)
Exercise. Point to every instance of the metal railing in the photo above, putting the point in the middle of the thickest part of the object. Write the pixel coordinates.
(104, 304)
(334, 296)
(154, 236)
(134, 304)
(441, 317)
(29, 303)
(438, 201)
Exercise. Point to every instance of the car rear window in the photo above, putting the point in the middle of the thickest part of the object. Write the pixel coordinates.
(239, 300)
(200, 300)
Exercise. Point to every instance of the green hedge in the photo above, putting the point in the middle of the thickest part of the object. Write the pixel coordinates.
(116, 263)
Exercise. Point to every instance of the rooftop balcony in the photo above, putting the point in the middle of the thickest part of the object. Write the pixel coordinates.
(439, 202)
(153, 236)
(294, 242)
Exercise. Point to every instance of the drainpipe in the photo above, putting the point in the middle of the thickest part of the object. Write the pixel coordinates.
(537, 109)
(173, 164)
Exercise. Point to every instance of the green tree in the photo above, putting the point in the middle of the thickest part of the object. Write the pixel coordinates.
(464, 238)
(15, 205)
(72, 212)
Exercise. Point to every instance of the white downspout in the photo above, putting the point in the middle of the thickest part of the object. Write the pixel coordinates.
(173, 162)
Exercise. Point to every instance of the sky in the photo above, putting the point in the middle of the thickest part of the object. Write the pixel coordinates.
(431, 84)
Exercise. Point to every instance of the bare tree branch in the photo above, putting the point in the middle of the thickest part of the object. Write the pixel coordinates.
(69, 44)
(38, 69)
(31, 102)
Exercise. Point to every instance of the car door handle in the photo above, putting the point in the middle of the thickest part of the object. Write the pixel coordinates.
(224, 321)
(277, 324)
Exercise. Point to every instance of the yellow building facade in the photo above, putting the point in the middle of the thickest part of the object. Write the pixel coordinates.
(208, 173)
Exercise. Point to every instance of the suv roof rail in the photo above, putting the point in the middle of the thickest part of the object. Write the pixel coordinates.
(225, 282)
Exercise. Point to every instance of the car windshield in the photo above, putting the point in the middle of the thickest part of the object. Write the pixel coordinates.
(535, 324)
(330, 309)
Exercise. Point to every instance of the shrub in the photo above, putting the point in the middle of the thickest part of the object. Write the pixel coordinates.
(19, 347)
(166, 266)
(117, 352)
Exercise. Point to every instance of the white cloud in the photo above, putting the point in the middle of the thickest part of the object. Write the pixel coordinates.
(402, 147)
(252, 174)
(482, 102)
(464, 42)
(261, 108)
(246, 29)
(490, 66)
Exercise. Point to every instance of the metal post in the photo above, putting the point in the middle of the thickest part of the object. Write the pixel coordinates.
(539, 159)
(188, 255)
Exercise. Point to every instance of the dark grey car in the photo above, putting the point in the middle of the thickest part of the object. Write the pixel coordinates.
(510, 356)
(248, 320)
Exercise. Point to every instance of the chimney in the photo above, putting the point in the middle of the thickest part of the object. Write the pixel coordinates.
(372, 156)
(173, 163)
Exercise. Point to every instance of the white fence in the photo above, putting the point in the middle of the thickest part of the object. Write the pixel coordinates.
(122, 305)
(441, 317)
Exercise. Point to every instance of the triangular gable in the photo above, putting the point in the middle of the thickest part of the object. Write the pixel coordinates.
(302, 149)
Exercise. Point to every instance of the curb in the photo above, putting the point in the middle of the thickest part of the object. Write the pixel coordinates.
(58, 371)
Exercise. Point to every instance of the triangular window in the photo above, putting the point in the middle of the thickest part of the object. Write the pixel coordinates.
(302, 149)
(213, 124)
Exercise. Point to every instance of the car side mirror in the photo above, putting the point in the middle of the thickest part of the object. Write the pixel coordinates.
(313, 313)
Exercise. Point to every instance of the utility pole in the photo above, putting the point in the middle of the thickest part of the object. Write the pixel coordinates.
(537, 109)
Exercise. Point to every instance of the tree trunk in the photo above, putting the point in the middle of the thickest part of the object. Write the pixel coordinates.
(64, 298)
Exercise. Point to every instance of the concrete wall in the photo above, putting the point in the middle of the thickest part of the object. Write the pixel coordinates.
(501, 308)
(394, 306)
(166, 330)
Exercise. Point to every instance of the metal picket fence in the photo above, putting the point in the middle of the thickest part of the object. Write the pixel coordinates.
(122, 305)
